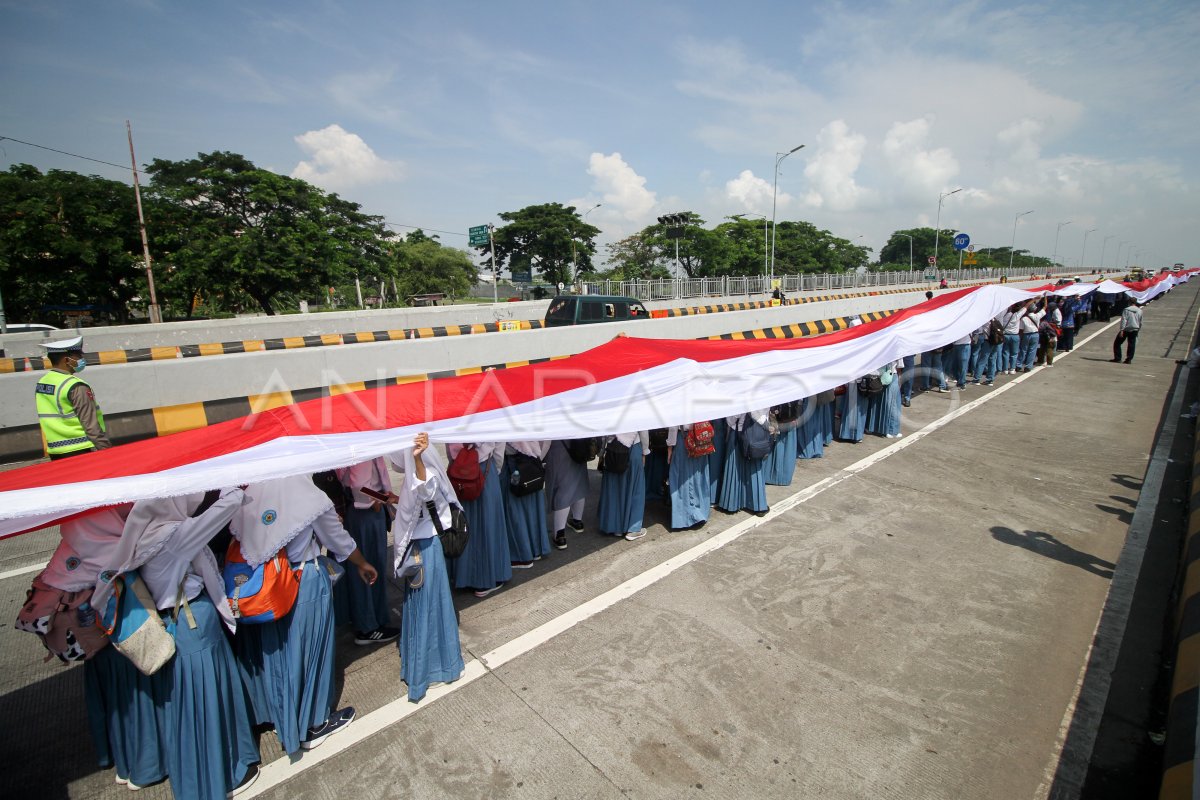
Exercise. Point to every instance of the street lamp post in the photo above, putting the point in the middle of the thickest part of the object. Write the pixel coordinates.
(1012, 249)
(1117, 258)
(1104, 247)
(1083, 253)
(1058, 230)
(764, 219)
(937, 228)
(779, 157)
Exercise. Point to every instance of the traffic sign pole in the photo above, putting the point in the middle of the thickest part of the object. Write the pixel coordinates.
(495, 280)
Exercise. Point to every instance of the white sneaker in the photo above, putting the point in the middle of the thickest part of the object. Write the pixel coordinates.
(633, 536)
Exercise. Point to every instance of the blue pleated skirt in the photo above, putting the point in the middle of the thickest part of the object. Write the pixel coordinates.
(487, 561)
(287, 666)
(566, 479)
(429, 648)
(854, 414)
(127, 716)
(883, 411)
(656, 473)
(367, 605)
(781, 462)
(825, 414)
(211, 748)
(691, 501)
(743, 483)
(623, 497)
(528, 537)
(716, 459)
(810, 435)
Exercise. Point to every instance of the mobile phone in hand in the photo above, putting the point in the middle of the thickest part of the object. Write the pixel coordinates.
(375, 495)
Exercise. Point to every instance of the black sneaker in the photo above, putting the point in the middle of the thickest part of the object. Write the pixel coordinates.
(336, 722)
(381, 635)
(577, 524)
(560, 539)
(246, 783)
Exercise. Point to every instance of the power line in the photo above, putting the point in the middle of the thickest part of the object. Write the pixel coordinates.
(418, 227)
(64, 152)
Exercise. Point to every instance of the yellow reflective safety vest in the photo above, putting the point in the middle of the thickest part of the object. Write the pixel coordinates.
(56, 414)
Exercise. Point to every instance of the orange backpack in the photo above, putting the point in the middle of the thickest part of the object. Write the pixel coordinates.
(265, 593)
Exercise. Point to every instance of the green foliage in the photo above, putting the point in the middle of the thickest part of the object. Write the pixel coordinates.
(635, 257)
(233, 229)
(550, 238)
(423, 266)
(803, 247)
(67, 239)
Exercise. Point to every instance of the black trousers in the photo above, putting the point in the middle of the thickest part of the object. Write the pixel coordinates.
(1130, 340)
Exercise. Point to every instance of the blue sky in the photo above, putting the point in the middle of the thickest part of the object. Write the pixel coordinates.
(442, 115)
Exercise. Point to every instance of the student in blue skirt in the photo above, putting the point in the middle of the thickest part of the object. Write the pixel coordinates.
(657, 465)
(689, 481)
(124, 707)
(883, 409)
(810, 434)
(743, 482)
(287, 664)
(716, 461)
(528, 539)
(566, 492)
(623, 494)
(486, 564)
(853, 408)
(429, 646)
(367, 521)
(210, 749)
(781, 463)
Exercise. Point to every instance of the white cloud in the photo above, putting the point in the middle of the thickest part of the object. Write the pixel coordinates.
(339, 159)
(754, 193)
(831, 170)
(910, 160)
(622, 191)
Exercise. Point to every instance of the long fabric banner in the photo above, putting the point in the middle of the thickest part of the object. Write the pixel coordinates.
(628, 384)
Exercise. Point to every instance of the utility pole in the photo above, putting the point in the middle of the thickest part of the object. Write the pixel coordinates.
(492, 245)
(154, 312)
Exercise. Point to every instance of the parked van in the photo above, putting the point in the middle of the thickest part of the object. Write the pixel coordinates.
(584, 309)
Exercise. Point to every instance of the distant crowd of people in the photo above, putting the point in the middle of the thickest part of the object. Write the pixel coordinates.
(240, 668)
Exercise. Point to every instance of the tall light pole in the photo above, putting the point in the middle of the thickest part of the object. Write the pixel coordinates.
(1061, 225)
(779, 157)
(764, 219)
(1083, 253)
(1104, 247)
(910, 264)
(937, 228)
(1117, 259)
(574, 267)
(1012, 249)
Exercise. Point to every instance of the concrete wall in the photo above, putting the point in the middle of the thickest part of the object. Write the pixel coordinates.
(146, 385)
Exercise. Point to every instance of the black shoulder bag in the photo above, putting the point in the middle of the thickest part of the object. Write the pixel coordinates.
(454, 540)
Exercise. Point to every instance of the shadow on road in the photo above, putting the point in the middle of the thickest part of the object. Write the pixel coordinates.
(1044, 544)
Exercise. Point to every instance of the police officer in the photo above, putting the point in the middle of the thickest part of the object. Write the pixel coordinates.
(71, 420)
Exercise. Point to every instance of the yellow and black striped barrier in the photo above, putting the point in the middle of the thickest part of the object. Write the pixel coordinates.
(142, 354)
(1179, 752)
(24, 442)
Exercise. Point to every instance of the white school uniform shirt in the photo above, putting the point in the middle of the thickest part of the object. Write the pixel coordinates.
(762, 416)
(172, 565)
(484, 450)
(1011, 320)
(371, 474)
(1029, 322)
(536, 450)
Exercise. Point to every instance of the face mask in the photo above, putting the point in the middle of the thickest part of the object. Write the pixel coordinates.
(79, 366)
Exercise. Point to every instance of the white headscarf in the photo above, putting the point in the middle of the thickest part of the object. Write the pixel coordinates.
(87, 544)
(408, 509)
(275, 513)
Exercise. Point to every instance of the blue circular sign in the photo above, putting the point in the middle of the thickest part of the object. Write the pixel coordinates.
(961, 241)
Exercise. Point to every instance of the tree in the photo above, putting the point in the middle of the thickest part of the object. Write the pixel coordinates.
(67, 239)
(803, 247)
(236, 228)
(635, 257)
(550, 237)
(423, 266)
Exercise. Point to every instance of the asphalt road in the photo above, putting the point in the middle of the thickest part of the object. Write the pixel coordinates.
(913, 619)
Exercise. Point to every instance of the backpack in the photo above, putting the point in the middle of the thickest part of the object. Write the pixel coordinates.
(698, 441)
(870, 384)
(465, 475)
(64, 621)
(265, 593)
(995, 334)
(787, 412)
(754, 438)
(658, 439)
(615, 457)
(527, 476)
(582, 451)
